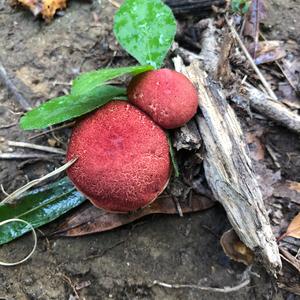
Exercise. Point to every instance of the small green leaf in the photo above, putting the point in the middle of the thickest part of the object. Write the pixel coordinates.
(146, 30)
(38, 207)
(88, 81)
(68, 107)
(240, 6)
(172, 155)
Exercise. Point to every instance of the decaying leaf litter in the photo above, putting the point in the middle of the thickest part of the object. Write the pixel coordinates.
(270, 145)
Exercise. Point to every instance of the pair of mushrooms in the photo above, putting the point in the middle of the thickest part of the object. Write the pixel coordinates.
(122, 149)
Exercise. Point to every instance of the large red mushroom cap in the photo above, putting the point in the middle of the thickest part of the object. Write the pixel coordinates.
(167, 96)
(123, 158)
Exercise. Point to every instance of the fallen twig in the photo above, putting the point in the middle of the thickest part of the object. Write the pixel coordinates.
(8, 126)
(178, 206)
(4, 192)
(252, 63)
(15, 155)
(195, 7)
(52, 130)
(226, 289)
(274, 110)
(104, 251)
(115, 3)
(34, 182)
(273, 156)
(36, 147)
(11, 87)
(70, 282)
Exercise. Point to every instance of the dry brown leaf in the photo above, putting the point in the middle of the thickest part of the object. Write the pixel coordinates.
(294, 228)
(289, 190)
(267, 51)
(257, 149)
(90, 219)
(267, 178)
(256, 13)
(295, 186)
(47, 8)
(235, 249)
(291, 68)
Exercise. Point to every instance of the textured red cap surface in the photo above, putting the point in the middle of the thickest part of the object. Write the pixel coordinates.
(167, 96)
(123, 157)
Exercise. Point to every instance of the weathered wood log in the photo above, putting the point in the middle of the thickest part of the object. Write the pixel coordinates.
(187, 137)
(194, 7)
(228, 168)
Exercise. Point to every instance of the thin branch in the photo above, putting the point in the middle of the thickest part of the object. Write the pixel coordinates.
(5, 126)
(115, 3)
(252, 63)
(178, 207)
(104, 251)
(72, 285)
(15, 155)
(34, 182)
(256, 29)
(52, 129)
(274, 110)
(226, 289)
(11, 87)
(55, 83)
(4, 192)
(36, 147)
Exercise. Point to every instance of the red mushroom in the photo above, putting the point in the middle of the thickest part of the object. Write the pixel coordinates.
(167, 96)
(123, 158)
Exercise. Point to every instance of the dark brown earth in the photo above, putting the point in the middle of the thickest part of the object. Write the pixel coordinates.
(43, 59)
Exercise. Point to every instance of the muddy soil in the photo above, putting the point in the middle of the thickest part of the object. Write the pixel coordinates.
(121, 264)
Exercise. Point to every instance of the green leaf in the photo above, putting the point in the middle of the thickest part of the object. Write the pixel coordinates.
(88, 81)
(38, 207)
(172, 155)
(68, 107)
(146, 30)
(240, 6)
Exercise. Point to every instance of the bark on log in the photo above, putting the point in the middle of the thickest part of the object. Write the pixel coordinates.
(187, 137)
(194, 7)
(228, 168)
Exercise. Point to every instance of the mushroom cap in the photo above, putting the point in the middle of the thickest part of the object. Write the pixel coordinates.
(123, 158)
(167, 96)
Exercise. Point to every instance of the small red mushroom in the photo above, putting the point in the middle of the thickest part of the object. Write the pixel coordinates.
(167, 96)
(123, 158)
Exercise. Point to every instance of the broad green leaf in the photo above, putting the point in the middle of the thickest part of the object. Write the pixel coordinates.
(68, 107)
(146, 30)
(88, 81)
(38, 207)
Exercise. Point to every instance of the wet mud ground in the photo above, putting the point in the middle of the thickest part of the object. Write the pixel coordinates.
(121, 264)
